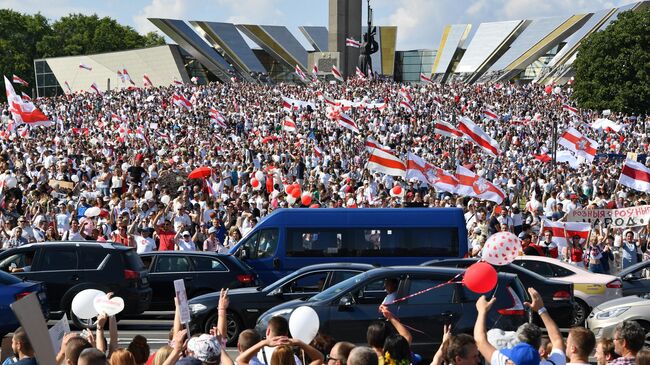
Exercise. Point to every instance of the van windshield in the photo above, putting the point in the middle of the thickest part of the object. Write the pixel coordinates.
(337, 289)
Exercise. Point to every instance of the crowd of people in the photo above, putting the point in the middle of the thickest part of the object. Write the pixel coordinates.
(125, 156)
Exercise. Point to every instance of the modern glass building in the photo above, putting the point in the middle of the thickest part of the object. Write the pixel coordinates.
(46, 83)
(409, 64)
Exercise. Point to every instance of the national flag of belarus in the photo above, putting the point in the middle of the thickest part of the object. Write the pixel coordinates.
(386, 163)
(314, 73)
(635, 175)
(146, 81)
(351, 42)
(18, 80)
(447, 130)
(426, 79)
(24, 111)
(406, 105)
(360, 73)
(318, 151)
(288, 125)
(300, 73)
(176, 82)
(570, 109)
(337, 73)
(68, 87)
(489, 114)
(574, 141)
(25, 97)
(181, 101)
(116, 118)
(85, 67)
(418, 168)
(95, 88)
(470, 184)
(475, 134)
(564, 232)
(345, 121)
(372, 144)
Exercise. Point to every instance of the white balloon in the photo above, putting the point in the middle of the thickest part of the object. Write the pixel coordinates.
(82, 303)
(501, 248)
(259, 175)
(165, 199)
(111, 306)
(74, 178)
(148, 195)
(92, 212)
(11, 182)
(304, 324)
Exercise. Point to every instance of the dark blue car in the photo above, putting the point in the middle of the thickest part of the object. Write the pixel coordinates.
(11, 290)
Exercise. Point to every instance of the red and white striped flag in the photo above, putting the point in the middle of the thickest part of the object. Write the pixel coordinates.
(120, 76)
(217, 118)
(314, 73)
(406, 105)
(95, 88)
(404, 93)
(563, 232)
(25, 97)
(127, 77)
(475, 134)
(318, 151)
(68, 87)
(582, 146)
(426, 79)
(360, 73)
(418, 168)
(351, 42)
(181, 101)
(470, 184)
(337, 73)
(570, 109)
(489, 114)
(345, 121)
(116, 118)
(18, 80)
(85, 67)
(140, 134)
(386, 163)
(372, 144)
(288, 124)
(301, 74)
(24, 111)
(176, 82)
(146, 81)
(437, 100)
(447, 130)
(635, 175)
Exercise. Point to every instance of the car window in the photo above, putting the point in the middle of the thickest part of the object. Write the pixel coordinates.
(58, 259)
(539, 267)
(91, 259)
(441, 295)
(15, 260)
(208, 264)
(146, 260)
(560, 272)
(249, 246)
(132, 260)
(172, 264)
(372, 293)
(310, 283)
(339, 276)
(268, 243)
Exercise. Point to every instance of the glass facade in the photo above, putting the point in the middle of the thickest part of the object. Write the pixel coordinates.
(277, 71)
(46, 82)
(409, 64)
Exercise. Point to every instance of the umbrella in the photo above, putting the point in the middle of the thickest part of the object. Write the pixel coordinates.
(92, 212)
(200, 173)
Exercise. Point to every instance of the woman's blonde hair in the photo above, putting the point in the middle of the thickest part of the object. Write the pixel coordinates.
(283, 355)
(161, 355)
(122, 357)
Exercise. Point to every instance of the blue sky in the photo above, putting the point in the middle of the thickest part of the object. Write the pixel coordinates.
(419, 22)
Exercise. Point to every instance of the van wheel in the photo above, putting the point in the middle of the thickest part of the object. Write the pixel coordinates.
(234, 326)
(580, 312)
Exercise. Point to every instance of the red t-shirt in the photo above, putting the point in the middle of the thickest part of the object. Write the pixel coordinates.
(166, 240)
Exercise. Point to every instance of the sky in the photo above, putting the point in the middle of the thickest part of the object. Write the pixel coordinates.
(420, 22)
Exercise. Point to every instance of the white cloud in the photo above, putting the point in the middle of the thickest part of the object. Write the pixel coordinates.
(174, 9)
(265, 12)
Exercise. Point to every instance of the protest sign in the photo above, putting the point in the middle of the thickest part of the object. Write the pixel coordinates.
(58, 331)
(179, 287)
(614, 218)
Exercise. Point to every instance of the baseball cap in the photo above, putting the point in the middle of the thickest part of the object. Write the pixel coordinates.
(185, 233)
(212, 230)
(522, 354)
(189, 360)
(206, 348)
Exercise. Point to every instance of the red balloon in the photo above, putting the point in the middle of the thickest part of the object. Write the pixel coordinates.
(255, 183)
(295, 193)
(480, 277)
(397, 190)
(306, 199)
(289, 189)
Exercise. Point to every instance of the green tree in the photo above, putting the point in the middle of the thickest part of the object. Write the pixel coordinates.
(613, 66)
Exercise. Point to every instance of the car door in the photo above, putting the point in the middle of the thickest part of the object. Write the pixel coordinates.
(432, 305)
(351, 320)
(208, 274)
(56, 266)
(166, 269)
(539, 267)
(637, 282)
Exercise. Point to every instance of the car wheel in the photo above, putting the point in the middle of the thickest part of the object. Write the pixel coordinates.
(233, 326)
(646, 329)
(580, 312)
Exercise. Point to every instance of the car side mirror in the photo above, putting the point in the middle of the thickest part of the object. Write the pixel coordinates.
(629, 277)
(277, 291)
(345, 304)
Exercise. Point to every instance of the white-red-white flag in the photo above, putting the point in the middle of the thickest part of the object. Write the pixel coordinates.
(85, 67)
(360, 73)
(288, 124)
(181, 101)
(563, 232)
(475, 134)
(606, 125)
(95, 88)
(351, 42)
(337, 74)
(120, 76)
(217, 117)
(372, 144)
(25, 97)
(418, 168)
(146, 81)
(318, 151)
(127, 77)
(437, 100)
(447, 130)
(406, 105)
(314, 73)
(175, 81)
(426, 79)
(370, 75)
(24, 111)
(116, 118)
(346, 121)
(18, 80)
(570, 109)
(301, 74)
(489, 114)
(470, 184)
(635, 175)
(67, 86)
(582, 146)
(404, 93)
(386, 163)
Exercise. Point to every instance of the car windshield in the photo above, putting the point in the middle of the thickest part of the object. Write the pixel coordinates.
(283, 280)
(335, 290)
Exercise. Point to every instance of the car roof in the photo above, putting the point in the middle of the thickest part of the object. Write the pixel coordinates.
(338, 265)
(190, 253)
(105, 245)
(398, 270)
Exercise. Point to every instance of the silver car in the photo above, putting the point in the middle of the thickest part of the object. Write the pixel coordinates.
(604, 318)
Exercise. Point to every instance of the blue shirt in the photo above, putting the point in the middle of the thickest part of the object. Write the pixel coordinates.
(629, 254)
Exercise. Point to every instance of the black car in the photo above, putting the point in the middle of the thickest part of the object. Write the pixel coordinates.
(248, 303)
(557, 295)
(203, 272)
(67, 268)
(346, 309)
(636, 279)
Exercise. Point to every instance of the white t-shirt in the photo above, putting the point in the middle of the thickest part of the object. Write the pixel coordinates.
(186, 245)
(267, 352)
(144, 245)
